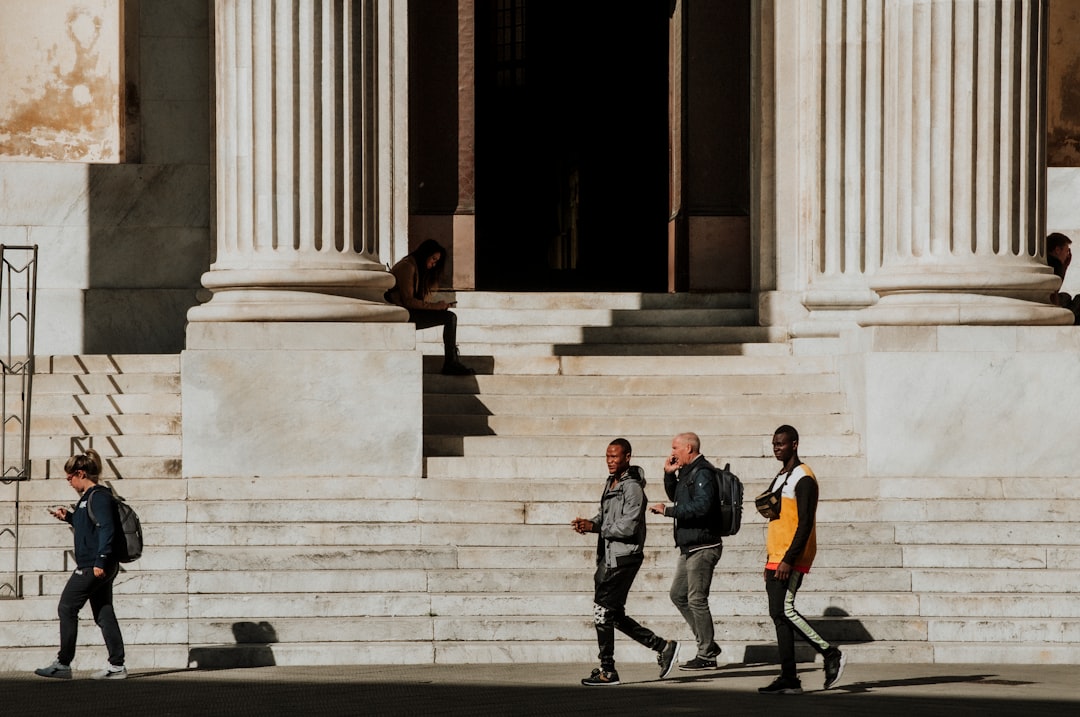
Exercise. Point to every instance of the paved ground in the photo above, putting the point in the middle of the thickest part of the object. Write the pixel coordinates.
(877, 690)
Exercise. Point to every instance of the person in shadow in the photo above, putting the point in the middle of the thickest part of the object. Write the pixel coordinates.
(417, 277)
(1059, 256)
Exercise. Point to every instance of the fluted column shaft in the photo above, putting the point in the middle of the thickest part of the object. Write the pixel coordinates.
(307, 186)
(964, 164)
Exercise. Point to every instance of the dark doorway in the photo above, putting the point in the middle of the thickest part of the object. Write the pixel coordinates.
(572, 145)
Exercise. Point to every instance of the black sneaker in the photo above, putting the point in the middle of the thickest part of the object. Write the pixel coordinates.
(666, 658)
(600, 678)
(783, 686)
(698, 663)
(834, 666)
(713, 652)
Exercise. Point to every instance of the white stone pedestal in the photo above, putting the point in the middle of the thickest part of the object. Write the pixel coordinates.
(301, 400)
(966, 401)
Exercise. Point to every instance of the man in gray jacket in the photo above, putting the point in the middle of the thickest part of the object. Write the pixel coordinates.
(619, 553)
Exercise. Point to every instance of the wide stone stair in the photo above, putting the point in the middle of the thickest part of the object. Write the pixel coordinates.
(475, 561)
(128, 409)
(908, 569)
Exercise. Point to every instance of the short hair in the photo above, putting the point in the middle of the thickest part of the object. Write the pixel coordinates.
(1056, 240)
(624, 445)
(692, 440)
(88, 462)
(788, 431)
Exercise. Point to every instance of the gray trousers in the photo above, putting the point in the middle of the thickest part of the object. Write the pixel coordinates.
(690, 593)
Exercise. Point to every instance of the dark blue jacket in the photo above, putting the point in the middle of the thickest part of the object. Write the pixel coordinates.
(93, 543)
(694, 494)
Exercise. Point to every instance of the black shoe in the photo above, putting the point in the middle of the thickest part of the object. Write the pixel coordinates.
(713, 652)
(834, 666)
(666, 658)
(698, 663)
(600, 678)
(783, 686)
(456, 368)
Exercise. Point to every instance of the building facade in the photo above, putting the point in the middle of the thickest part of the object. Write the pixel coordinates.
(229, 181)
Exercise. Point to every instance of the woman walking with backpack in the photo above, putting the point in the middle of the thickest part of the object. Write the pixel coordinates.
(95, 569)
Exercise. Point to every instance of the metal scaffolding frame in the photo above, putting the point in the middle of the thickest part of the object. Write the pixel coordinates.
(18, 303)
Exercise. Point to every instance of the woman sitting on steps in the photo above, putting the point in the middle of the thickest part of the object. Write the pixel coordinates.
(417, 277)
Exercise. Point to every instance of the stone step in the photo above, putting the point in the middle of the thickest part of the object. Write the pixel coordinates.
(654, 579)
(361, 630)
(619, 424)
(648, 605)
(106, 404)
(621, 301)
(990, 488)
(41, 493)
(990, 532)
(172, 607)
(485, 357)
(107, 364)
(114, 424)
(114, 468)
(640, 366)
(688, 404)
(1016, 513)
(107, 383)
(736, 387)
(108, 446)
(491, 457)
(603, 316)
(305, 557)
(748, 555)
(737, 654)
(634, 335)
(137, 631)
(733, 448)
(727, 629)
(576, 653)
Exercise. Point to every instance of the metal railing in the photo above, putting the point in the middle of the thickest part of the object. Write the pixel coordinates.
(18, 303)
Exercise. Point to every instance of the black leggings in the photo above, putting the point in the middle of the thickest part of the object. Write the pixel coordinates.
(426, 318)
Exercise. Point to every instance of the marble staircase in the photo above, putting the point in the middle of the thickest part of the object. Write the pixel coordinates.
(475, 561)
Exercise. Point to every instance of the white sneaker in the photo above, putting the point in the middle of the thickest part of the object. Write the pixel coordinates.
(111, 672)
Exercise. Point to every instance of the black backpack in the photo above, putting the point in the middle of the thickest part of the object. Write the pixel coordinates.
(729, 489)
(128, 538)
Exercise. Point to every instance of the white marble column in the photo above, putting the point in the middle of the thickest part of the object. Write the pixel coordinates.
(820, 79)
(964, 165)
(296, 367)
(311, 159)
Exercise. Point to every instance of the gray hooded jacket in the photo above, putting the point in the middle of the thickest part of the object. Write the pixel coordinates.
(621, 520)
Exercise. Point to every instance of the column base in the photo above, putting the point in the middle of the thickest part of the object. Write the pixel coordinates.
(296, 400)
(288, 294)
(255, 305)
(954, 309)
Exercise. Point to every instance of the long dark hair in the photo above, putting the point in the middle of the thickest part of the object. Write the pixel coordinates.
(428, 279)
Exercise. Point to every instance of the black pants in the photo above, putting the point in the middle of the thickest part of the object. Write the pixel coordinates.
(426, 318)
(609, 612)
(83, 586)
(788, 621)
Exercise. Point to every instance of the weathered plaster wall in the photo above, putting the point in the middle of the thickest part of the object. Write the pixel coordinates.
(122, 246)
(62, 69)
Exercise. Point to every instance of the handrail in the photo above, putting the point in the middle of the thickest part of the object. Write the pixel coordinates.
(18, 307)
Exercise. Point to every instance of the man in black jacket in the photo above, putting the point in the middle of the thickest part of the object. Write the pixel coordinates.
(690, 482)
